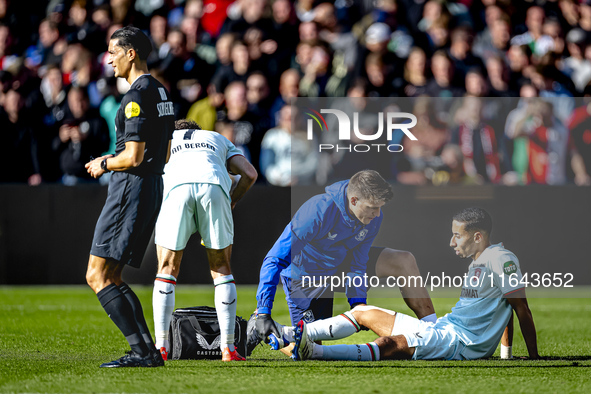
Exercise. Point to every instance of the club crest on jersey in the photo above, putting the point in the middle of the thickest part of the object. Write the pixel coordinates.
(308, 316)
(132, 109)
(477, 272)
(361, 235)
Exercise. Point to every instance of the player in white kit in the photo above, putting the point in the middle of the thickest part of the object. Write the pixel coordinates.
(491, 292)
(198, 196)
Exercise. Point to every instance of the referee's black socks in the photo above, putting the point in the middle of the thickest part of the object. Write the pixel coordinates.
(138, 313)
(119, 309)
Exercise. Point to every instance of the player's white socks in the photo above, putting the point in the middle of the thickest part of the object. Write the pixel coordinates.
(365, 352)
(432, 318)
(163, 306)
(225, 305)
(336, 327)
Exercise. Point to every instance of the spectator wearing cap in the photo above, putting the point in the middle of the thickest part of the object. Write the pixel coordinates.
(375, 43)
(576, 66)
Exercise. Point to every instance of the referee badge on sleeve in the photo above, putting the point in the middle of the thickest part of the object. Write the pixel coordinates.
(132, 109)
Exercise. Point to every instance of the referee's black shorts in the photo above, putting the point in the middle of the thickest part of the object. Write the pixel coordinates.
(127, 221)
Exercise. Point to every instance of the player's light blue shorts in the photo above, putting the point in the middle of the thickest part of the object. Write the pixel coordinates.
(192, 207)
(432, 341)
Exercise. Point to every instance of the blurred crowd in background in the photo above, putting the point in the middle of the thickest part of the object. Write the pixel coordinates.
(233, 67)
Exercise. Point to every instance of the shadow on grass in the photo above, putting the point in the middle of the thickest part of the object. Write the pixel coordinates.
(546, 362)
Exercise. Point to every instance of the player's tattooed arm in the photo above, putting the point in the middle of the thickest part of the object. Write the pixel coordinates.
(526, 322)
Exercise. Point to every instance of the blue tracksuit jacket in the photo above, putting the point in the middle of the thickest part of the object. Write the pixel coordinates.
(318, 238)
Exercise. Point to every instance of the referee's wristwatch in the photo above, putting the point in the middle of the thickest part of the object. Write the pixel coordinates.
(104, 165)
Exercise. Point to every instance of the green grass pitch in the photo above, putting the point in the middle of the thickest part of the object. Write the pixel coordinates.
(52, 339)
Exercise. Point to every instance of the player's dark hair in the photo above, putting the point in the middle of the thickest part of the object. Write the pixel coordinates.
(371, 186)
(476, 219)
(130, 37)
(186, 124)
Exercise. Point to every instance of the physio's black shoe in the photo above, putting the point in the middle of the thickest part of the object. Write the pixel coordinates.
(132, 359)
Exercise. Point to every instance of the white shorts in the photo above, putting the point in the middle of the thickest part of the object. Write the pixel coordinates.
(431, 341)
(192, 207)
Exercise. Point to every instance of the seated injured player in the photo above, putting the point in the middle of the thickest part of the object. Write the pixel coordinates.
(472, 330)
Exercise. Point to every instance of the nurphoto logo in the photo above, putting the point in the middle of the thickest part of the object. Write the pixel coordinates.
(344, 130)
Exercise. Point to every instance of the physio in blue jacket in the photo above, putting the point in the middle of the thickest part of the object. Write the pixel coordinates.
(332, 234)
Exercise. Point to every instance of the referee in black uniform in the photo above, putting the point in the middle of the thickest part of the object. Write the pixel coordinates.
(144, 124)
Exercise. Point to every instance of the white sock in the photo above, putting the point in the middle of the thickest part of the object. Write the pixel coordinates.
(336, 327)
(225, 304)
(432, 318)
(288, 333)
(163, 306)
(365, 352)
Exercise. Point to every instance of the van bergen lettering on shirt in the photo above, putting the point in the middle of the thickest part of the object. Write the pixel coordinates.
(165, 108)
(196, 145)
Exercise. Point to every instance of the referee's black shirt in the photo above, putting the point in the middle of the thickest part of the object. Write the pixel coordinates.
(146, 115)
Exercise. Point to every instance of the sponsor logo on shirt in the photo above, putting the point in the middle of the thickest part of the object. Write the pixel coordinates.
(132, 109)
(332, 236)
(509, 268)
(469, 293)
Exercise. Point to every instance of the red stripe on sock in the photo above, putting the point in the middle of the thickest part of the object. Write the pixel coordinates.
(351, 321)
(225, 283)
(373, 354)
(166, 281)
